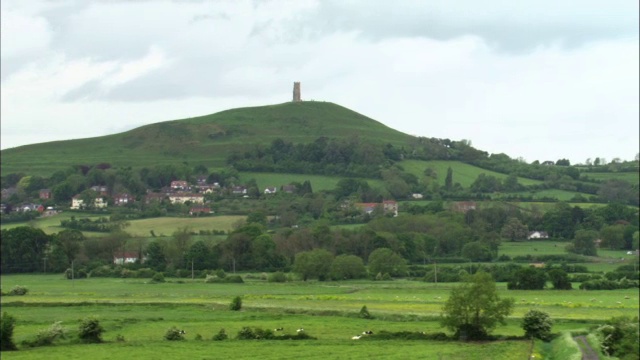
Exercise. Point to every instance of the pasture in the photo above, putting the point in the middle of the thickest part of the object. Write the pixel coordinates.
(141, 312)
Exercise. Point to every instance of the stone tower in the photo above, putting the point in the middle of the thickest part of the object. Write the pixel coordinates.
(296, 92)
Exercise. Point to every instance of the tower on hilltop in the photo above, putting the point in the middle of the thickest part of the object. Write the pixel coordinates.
(296, 92)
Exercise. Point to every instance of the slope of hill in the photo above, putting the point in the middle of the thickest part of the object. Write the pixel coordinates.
(204, 140)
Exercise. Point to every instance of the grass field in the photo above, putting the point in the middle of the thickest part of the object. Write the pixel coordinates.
(163, 226)
(141, 312)
(631, 177)
(464, 174)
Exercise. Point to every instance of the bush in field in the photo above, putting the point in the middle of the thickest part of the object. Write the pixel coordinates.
(7, 323)
(47, 336)
(620, 337)
(174, 334)
(146, 273)
(237, 279)
(221, 335)
(18, 290)
(364, 313)
(277, 276)
(158, 278)
(537, 324)
(90, 330)
(236, 304)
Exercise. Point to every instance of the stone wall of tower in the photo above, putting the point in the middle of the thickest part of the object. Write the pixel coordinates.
(296, 92)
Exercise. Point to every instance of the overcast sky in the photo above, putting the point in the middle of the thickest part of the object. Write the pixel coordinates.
(541, 80)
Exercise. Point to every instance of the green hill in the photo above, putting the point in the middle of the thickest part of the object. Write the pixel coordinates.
(204, 140)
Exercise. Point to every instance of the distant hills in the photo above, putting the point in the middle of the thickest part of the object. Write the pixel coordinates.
(207, 140)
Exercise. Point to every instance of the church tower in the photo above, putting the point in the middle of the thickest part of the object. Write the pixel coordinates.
(296, 92)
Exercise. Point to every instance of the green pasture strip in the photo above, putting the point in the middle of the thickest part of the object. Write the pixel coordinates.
(534, 247)
(630, 177)
(464, 174)
(165, 226)
(561, 195)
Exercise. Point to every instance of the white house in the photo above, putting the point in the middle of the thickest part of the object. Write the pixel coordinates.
(125, 258)
(270, 190)
(184, 197)
(538, 235)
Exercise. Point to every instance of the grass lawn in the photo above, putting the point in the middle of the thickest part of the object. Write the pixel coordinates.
(165, 226)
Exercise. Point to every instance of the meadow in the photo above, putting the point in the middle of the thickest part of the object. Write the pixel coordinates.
(140, 312)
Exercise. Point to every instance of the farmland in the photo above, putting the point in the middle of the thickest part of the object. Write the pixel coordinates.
(140, 312)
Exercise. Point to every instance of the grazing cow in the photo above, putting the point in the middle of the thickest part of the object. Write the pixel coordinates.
(357, 337)
(368, 332)
(183, 332)
(279, 329)
(300, 330)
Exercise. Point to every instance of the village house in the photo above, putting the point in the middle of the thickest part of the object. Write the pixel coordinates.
(390, 207)
(537, 235)
(123, 199)
(207, 188)
(270, 190)
(77, 203)
(45, 194)
(179, 185)
(201, 179)
(387, 206)
(239, 190)
(463, 206)
(154, 197)
(182, 197)
(32, 207)
(125, 258)
(6, 193)
(367, 208)
(102, 190)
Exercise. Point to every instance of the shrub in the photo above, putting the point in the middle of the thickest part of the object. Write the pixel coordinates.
(120, 338)
(7, 323)
(278, 276)
(146, 273)
(90, 330)
(221, 335)
(173, 334)
(18, 290)
(246, 333)
(364, 313)
(236, 304)
(227, 279)
(198, 337)
(537, 324)
(47, 336)
(158, 277)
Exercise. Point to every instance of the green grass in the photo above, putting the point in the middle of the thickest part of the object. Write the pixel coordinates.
(162, 226)
(206, 140)
(631, 177)
(141, 312)
(464, 174)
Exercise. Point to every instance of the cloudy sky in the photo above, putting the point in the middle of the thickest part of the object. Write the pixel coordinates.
(540, 79)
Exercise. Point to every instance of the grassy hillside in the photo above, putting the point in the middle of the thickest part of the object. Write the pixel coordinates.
(631, 177)
(204, 140)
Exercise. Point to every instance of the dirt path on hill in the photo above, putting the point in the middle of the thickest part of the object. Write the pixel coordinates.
(587, 351)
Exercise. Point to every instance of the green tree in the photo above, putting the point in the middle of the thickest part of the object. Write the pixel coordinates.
(22, 249)
(236, 304)
(537, 324)
(70, 242)
(313, 264)
(348, 267)
(584, 243)
(528, 278)
(155, 256)
(199, 256)
(7, 323)
(612, 237)
(514, 230)
(474, 308)
(448, 181)
(559, 279)
(476, 251)
(386, 261)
